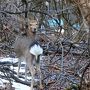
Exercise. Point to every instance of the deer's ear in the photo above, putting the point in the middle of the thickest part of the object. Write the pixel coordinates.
(37, 19)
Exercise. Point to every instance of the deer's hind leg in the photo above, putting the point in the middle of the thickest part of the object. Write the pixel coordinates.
(19, 64)
(31, 69)
(26, 72)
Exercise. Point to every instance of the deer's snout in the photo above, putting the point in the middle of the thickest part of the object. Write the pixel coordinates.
(34, 30)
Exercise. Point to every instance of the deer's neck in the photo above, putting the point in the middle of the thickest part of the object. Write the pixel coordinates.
(31, 35)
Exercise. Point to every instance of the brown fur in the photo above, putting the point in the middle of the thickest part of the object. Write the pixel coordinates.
(21, 48)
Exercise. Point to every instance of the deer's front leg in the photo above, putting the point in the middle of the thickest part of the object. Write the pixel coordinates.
(40, 75)
(31, 68)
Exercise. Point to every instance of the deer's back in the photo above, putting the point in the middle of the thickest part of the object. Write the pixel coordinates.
(22, 45)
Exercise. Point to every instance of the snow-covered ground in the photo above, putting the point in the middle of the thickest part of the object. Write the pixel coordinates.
(17, 86)
(8, 59)
(14, 60)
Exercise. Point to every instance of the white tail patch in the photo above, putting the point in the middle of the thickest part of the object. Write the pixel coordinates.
(36, 50)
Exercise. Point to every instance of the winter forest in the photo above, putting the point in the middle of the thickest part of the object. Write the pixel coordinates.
(45, 44)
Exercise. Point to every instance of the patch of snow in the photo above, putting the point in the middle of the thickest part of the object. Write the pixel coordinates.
(19, 86)
(12, 60)
(22, 68)
(2, 81)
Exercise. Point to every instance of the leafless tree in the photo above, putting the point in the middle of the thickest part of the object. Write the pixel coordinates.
(65, 64)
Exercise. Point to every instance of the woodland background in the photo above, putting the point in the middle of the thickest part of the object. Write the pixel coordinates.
(65, 64)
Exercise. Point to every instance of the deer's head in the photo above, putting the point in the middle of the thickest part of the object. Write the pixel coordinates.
(33, 25)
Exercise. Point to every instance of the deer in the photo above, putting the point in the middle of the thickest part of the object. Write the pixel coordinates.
(27, 48)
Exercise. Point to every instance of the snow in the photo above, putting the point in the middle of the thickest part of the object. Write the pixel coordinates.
(17, 86)
(12, 60)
